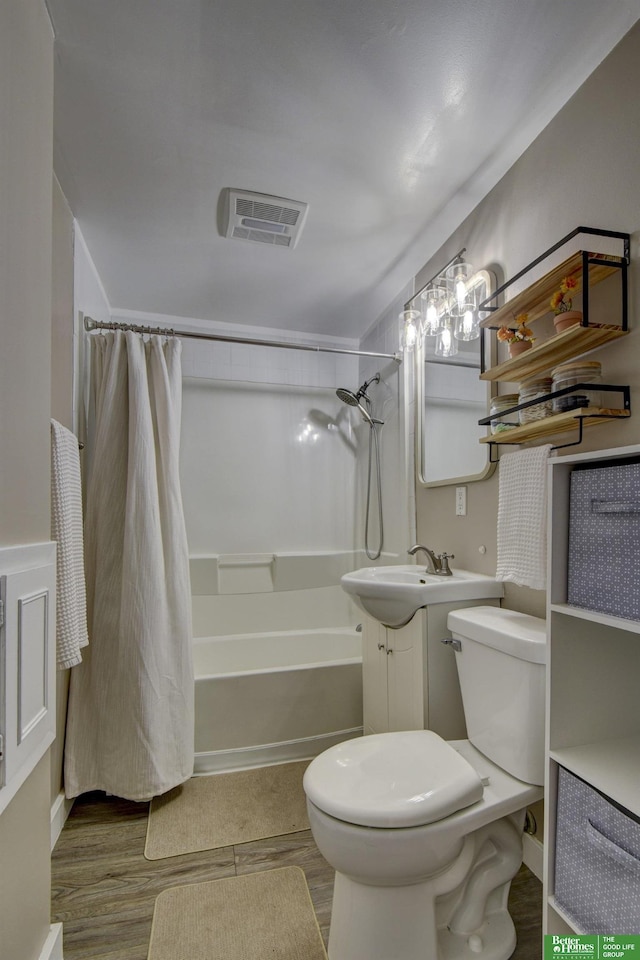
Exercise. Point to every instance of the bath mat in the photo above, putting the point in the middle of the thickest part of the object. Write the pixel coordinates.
(259, 915)
(227, 808)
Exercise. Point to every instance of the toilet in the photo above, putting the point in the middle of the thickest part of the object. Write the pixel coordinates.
(425, 835)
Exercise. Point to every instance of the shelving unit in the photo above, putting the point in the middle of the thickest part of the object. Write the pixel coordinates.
(559, 422)
(611, 258)
(535, 299)
(555, 424)
(563, 346)
(593, 722)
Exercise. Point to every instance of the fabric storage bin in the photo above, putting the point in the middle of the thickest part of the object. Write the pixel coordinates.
(604, 540)
(597, 863)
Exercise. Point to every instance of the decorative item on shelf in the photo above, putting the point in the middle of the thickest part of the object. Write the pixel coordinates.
(533, 389)
(571, 374)
(498, 404)
(409, 320)
(519, 338)
(561, 304)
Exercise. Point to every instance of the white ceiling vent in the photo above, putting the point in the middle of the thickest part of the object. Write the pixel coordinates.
(263, 219)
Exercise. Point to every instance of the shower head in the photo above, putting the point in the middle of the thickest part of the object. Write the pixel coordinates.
(353, 399)
(347, 396)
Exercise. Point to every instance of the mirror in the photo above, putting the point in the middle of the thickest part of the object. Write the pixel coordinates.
(450, 399)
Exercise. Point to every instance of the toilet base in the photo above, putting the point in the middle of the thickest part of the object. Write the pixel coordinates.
(395, 923)
(458, 914)
(495, 940)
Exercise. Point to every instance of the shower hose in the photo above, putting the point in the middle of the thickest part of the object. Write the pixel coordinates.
(373, 440)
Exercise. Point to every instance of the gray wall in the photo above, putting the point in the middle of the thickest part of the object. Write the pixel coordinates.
(26, 118)
(61, 405)
(583, 170)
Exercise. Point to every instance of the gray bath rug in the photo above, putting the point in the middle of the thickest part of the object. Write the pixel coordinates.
(252, 917)
(227, 808)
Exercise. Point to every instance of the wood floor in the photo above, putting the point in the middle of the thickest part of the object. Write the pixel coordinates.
(103, 888)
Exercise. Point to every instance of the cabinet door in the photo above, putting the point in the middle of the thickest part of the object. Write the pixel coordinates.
(375, 708)
(405, 675)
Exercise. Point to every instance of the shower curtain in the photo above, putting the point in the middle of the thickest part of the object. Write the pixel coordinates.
(130, 716)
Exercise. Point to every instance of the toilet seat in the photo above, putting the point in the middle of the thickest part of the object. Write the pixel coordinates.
(392, 780)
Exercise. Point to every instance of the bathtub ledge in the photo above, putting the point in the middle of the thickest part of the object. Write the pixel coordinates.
(245, 758)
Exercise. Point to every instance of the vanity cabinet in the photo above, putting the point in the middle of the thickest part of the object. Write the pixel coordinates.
(593, 723)
(410, 678)
(604, 320)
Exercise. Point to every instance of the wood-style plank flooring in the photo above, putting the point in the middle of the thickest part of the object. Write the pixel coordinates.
(104, 890)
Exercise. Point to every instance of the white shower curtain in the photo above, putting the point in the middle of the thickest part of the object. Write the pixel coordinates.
(130, 716)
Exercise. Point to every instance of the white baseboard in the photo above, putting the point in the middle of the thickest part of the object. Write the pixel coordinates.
(532, 854)
(244, 758)
(60, 810)
(52, 948)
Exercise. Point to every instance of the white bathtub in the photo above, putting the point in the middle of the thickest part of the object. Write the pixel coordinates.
(271, 697)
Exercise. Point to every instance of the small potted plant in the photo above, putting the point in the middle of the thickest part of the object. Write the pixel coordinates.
(561, 304)
(519, 338)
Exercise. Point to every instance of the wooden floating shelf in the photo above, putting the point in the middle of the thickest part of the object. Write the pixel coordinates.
(534, 301)
(566, 345)
(556, 423)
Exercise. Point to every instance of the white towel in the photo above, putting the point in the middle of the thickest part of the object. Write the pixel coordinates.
(66, 530)
(522, 518)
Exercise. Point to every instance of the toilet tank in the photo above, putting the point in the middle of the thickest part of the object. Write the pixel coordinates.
(501, 668)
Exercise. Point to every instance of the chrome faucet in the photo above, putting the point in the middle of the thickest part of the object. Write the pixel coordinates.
(438, 564)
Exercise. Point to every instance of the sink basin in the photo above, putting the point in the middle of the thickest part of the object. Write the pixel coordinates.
(393, 594)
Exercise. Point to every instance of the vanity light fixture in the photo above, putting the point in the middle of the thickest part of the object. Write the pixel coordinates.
(409, 320)
(448, 309)
(434, 300)
(458, 275)
(446, 342)
(467, 326)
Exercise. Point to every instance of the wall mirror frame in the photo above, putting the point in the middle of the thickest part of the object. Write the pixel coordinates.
(450, 399)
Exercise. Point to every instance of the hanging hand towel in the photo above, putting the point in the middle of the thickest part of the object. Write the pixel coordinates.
(522, 518)
(66, 530)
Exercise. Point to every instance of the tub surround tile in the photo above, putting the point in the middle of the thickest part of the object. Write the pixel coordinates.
(282, 610)
(242, 573)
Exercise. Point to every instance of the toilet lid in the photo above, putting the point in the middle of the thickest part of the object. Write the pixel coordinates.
(402, 779)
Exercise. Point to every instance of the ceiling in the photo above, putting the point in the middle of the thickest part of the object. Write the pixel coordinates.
(390, 118)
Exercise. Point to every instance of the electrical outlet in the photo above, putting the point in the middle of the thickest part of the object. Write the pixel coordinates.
(461, 501)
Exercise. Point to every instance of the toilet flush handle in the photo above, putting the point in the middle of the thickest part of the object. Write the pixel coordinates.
(453, 642)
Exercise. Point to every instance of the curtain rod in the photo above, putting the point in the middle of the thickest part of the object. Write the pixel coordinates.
(90, 325)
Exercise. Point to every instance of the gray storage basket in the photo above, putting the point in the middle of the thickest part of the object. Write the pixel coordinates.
(597, 880)
(604, 540)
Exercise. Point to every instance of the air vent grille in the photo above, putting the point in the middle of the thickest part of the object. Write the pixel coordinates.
(263, 219)
(267, 211)
(261, 236)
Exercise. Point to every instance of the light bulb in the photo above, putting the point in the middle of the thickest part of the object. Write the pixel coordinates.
(446, 344)
(434, 298)
(467, 326)
(458, 277)
(409, 329)
(461, 292)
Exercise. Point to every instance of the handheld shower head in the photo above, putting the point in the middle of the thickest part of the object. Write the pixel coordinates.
(348, 396)
(353, 399)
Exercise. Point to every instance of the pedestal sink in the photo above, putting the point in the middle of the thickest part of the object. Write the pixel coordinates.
(393, 594)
